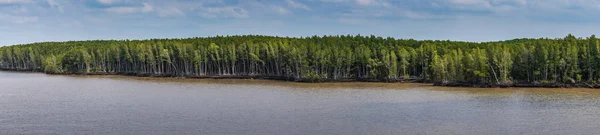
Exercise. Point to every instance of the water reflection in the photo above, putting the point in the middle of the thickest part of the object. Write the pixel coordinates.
(33, 103)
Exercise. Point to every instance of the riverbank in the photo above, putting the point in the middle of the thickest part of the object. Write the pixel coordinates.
(521, 85)
(279, 78)
(442, 84)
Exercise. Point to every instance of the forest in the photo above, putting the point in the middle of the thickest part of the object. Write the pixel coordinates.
(518, 62)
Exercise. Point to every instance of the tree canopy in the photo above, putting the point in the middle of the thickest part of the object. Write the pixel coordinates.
(319, 58)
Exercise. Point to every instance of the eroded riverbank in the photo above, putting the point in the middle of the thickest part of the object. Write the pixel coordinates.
(347, 81)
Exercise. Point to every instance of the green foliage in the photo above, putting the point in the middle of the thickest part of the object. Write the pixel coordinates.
(317, 58)
(51, 65)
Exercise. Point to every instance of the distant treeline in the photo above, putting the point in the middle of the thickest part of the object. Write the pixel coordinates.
(327, 58)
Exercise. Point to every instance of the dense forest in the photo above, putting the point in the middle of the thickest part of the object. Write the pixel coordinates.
(568, 60)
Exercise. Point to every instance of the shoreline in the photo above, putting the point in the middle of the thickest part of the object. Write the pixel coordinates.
(276, 78)
(521, 85)
(284, 79)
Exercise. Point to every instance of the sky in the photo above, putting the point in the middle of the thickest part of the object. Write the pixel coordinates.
(28, 21)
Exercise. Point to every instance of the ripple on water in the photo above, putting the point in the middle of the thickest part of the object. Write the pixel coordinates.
(45, 104)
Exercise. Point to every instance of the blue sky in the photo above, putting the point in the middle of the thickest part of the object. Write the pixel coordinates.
(27, 21)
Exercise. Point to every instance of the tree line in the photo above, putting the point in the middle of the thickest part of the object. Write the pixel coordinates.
(320, 58)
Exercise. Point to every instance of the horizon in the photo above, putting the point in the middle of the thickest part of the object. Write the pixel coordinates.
(33, 21)
(578, 37)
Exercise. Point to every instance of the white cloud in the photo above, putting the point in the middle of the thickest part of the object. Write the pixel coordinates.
(55, 5)
(147, 8)
(294, 4)
(106, 2)
(374, 3)
(522, 8)
(522, 2)
(365, 2)
(15, 1)
(123, 10)
(471, 4)
(281, 10)
(333, 0)
(468, 1)
(228, 11)
(359, 2)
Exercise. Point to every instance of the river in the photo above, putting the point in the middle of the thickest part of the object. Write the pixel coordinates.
(35, 103)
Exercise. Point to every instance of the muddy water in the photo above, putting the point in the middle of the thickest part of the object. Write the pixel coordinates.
(33, 103)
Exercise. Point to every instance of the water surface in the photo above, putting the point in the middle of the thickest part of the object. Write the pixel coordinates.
(34, 103)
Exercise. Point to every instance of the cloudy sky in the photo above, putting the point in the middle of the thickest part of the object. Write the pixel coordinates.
(27, 21)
